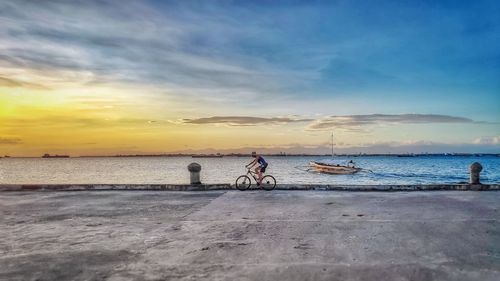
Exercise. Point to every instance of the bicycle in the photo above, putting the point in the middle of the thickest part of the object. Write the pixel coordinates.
(244, 182)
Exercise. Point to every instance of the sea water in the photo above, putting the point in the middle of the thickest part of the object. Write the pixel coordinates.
(290, 169)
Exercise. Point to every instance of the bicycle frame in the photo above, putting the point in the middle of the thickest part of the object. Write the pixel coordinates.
(253, 174)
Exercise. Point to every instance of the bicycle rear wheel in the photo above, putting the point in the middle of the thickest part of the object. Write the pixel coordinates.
(243, 182)
(268, 182)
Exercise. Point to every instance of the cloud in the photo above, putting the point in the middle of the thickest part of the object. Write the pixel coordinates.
(249, 50)
(356, 121)
(245, 53)
(70, 122)
(392, 147)
(243, 120)
(10, 141)
(382, 147)
(153, 44)
(488, 140)
(12, 83)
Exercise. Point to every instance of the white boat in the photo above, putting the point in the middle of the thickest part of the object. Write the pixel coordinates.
(334, 169)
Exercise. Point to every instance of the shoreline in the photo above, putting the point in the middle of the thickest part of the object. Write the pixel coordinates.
(227, 186)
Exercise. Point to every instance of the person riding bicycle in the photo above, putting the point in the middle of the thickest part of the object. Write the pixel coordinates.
(261, 168)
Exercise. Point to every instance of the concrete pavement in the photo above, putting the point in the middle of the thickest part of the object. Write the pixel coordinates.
(254, 235)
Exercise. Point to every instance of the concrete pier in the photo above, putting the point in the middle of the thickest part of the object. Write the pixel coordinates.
(253, 235)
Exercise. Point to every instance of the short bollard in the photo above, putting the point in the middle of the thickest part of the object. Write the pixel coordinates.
(475, 169)
(194, 170)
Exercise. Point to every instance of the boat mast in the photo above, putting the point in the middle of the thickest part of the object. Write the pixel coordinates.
(332, 144)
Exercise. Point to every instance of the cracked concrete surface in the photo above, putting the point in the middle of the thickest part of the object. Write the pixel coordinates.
(256, 235)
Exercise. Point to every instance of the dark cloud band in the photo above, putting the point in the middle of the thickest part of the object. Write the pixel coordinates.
(10, 141)
(243, 120)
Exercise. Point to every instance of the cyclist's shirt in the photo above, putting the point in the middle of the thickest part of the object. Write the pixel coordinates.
(261, 161)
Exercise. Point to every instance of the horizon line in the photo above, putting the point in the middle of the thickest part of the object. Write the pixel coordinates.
(264, 154)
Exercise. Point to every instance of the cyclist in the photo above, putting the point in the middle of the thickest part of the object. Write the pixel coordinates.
(261, 168)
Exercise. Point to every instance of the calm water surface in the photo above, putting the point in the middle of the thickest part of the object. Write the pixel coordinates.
(385, 170)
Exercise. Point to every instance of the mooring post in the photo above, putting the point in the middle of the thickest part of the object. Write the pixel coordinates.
(194, 170)
(475, 169)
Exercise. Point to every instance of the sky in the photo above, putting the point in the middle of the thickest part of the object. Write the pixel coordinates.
(146, 77)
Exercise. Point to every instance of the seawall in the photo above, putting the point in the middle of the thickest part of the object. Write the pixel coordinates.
(226, 186)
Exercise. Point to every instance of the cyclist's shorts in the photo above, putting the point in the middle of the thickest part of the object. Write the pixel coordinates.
(263, 168)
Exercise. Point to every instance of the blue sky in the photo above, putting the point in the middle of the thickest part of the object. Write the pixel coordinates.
(309, 61)
(405, 49)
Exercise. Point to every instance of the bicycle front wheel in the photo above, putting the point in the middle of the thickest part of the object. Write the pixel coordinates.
(243, 182)
(268, 182)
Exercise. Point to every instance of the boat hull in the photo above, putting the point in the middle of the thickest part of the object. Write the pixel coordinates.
(333, 169)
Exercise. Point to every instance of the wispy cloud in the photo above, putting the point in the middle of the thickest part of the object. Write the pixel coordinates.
(243, 120)
(65, 122)
(239, 47)
(357, 121)
(13, 83)
(488, 140)
(166, 48)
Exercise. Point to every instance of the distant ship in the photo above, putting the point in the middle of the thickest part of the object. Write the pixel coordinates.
(46, 155)
(208, 156)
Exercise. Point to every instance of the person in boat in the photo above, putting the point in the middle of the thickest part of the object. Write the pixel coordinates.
(261, 165)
